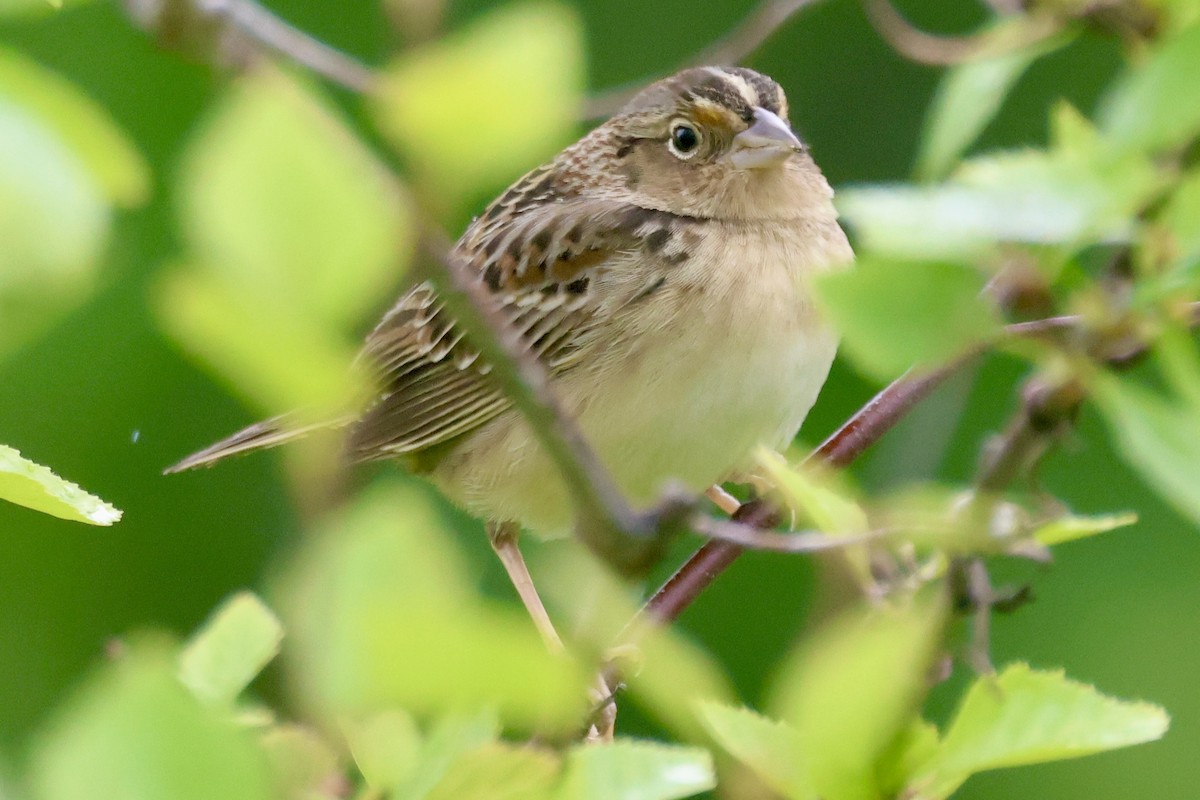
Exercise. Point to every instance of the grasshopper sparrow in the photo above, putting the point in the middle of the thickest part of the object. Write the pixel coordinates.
(659, 268)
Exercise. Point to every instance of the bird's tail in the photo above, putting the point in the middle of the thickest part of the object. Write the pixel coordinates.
(259, 436)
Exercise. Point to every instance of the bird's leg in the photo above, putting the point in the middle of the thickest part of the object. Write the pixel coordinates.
(722, 499)
(503, 536)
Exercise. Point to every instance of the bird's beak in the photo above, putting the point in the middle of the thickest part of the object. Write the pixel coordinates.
(768, 142)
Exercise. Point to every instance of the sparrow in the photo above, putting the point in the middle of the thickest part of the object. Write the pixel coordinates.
(661, 270)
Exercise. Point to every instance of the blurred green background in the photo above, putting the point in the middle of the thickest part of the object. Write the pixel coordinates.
(107, 401)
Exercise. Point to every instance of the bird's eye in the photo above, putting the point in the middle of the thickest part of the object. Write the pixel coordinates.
(684, 140)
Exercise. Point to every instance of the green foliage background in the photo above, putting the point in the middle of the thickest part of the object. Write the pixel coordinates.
(108, 401)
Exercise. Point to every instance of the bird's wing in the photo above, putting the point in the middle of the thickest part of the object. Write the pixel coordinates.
(542, 254)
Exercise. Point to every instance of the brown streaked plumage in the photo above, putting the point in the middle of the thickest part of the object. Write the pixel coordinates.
(658, 267)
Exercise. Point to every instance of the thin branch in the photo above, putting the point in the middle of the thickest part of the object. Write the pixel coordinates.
(290, 42)
(750, 537)
(768, 17)
(221, 28)
(606, 522)
(862, 430)
(942, 50)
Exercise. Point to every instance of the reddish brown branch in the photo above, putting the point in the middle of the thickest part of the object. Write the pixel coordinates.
(848, 442)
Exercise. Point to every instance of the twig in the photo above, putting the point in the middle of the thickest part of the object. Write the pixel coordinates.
(862, 430)
(940, 50)
(768, 17)
(750, 537)
(606, 522)
(201, 24)
(283, 39)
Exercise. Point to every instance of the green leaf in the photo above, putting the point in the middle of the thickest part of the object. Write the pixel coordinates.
(286, 207)
(224, 656)
(769, 747)
(274, 355)
(664, 672)
(633, 770)
(385, 746)
(1023, 717)
(1070, 527)
(813, 493)
(83, 126)
(499, 771)
(303, 765)
(1066, 196)
(383, 616)
(970, 94)
(54, 224)
(31, 485)
(134, 732)
(1181, 219)
(473, 109)
(911, 750)
(451, 737)
(1156, 434)
(853, 686)
(1157, 105)
(895, 314)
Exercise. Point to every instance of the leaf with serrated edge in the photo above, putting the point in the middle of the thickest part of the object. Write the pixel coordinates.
(31, 485)
(1023, 716)
(769, 747)
(225, 655)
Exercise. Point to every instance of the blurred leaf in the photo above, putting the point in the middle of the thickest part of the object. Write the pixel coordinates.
(1157, 435)
(31, 485)
(664, 672)
(34, 8)
(1032, 197)
(1028, 717)
(1181, 217)
(894, 314)
(383, 616)
(769, 747)
(283, 203)
(304, 766)
(811, 492)
(134, 732)
(633, 770)
(385, 746)
(1070, 527)
(451, 737)
(224, 656)
(969, 95)
(472, 110)
(854, 685)
(53, 223)
(83, 126)
(499, 771)
(1157, 105)
(275, 356)
(909, 752)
